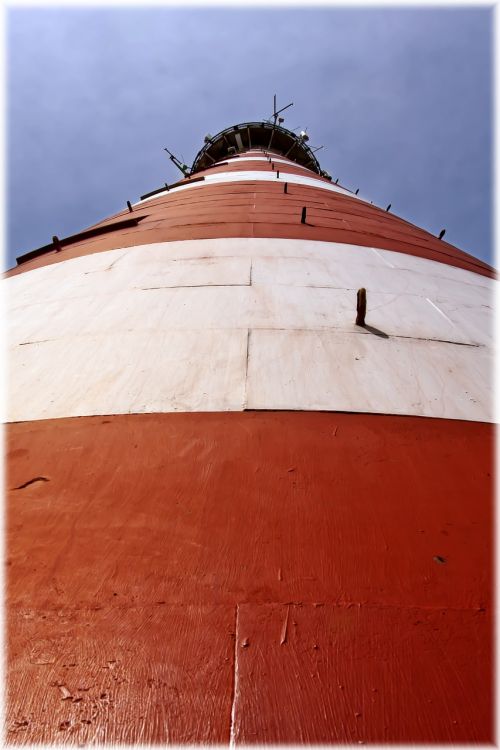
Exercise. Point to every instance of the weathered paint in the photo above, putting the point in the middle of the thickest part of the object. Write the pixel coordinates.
(348, 372)
(248, 323)
(361, 675)
(135, 675)
(260, 577)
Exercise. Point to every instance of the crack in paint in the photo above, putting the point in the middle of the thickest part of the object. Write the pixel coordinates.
(330, 329)
(28, 343)
(31, 481)
(108, 268)
(440, 311)
(374, 250)
(284, 629)
(247, 357)
(479, 608)
(187, 286)
(234, 685)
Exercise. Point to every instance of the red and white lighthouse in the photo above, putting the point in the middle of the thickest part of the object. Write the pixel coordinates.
(233, 514)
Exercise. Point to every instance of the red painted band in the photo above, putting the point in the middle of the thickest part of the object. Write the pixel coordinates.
(262, 209)
(338, 566)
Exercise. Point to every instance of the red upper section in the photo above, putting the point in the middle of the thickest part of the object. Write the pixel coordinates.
(257, 209)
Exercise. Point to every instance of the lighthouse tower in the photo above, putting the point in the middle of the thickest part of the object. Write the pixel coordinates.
(249, 468)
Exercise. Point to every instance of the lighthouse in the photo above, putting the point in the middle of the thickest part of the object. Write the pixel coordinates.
(249, 467)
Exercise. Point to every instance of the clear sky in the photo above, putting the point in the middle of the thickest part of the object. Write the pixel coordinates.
(401, 98)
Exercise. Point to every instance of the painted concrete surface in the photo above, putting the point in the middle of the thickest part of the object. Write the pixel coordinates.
(249, 323)
(337, 371)
(128, 372)
(249, 577)
(333, 687)
(152, 304)
(101, 678)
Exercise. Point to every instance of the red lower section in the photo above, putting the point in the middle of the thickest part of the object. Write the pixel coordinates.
(266, 577)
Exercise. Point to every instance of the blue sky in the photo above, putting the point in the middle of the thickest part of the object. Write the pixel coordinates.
(401, 98)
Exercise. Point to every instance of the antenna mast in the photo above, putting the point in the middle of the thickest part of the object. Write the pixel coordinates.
(182, 167)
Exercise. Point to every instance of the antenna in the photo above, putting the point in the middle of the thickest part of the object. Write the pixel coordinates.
(278, 112)
(182, 167)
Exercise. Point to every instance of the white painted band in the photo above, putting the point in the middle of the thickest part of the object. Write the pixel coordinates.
(228, 324)
(290, 162)
(242, 176)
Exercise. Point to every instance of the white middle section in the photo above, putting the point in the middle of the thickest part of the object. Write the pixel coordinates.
(243, 158)
(228, 324)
